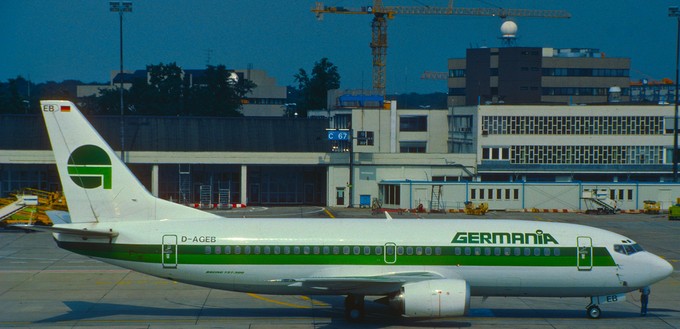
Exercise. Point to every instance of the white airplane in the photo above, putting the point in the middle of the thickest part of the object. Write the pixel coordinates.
(422, 268)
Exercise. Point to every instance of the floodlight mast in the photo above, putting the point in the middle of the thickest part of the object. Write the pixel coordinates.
(121, 7)
(675, 12)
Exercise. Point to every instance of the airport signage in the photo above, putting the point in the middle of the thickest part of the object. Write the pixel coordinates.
(338, 135)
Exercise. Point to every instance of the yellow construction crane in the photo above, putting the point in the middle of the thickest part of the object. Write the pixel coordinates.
(382, 13)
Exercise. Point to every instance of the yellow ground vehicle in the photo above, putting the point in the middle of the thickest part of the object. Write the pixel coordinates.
(674, 210)
(33, 213)
(472, 209)
(651, 207)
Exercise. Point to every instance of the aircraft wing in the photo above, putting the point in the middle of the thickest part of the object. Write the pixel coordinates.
(366, 285)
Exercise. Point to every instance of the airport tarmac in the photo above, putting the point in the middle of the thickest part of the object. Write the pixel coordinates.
(43, 286)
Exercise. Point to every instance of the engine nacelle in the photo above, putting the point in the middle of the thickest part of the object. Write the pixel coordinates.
(433, 298)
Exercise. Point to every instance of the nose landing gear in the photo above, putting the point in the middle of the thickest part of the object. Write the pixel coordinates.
(593, 311)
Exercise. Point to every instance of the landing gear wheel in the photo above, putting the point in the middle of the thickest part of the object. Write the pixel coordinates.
(593, 312)
(354, 308)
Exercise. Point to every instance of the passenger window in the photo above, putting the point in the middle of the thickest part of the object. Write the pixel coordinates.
(506, 251)
(227, 249)
(527, 252)
(345, 250)
(419, 251)
(487, 251)
(286, 250)
(218, 250)
(437, 251)
(546, 251)
(367, 251)
(400, 250)
(207, 250)
(326, 250)
(537, 251)
(277, 250)
(257, 250)
(378, 251)
(237, 250)
(267, 250)
(247, 250)
(467, 251)
(317, 250)
(518, 251)
(357, 250)
(428, 251)
(556, 251)
(336, 250)
(306, 250)
(478, 251)
(409, 251)
(457, 251)
(296, 250)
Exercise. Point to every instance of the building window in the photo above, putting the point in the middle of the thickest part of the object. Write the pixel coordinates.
(412, 147)
(456, 91)
(456, 73)
(413, 123)
(490, 153)
(365, 138)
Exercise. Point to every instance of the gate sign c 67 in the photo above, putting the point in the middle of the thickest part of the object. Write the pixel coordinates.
(338, 135)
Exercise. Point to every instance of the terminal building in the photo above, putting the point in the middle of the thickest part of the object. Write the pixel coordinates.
(512, 157)
(525, 128)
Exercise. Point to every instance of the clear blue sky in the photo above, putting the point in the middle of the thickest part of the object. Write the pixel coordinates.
(53, 40)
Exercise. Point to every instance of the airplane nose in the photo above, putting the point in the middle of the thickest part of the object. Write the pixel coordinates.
(661, 268)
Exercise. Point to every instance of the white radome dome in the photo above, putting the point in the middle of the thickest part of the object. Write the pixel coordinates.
(509, 28)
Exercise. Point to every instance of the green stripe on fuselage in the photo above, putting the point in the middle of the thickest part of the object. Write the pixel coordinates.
(199, 255)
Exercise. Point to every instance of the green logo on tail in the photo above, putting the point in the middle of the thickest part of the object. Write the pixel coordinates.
(90, 167)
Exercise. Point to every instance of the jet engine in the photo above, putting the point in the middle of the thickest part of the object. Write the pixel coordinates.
(432, 298)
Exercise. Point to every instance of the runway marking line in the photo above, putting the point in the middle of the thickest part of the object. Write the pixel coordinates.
(314, 302)
(328, 213)
(304, 298)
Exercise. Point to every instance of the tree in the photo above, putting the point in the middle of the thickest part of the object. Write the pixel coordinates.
(313, 91)
(220, 93)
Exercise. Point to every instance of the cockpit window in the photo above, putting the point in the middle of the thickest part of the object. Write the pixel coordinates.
(627, 249)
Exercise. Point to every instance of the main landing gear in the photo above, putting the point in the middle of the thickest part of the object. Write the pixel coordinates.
(593, 311)
(354, 308)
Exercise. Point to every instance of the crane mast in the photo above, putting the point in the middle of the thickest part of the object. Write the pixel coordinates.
(382, 13)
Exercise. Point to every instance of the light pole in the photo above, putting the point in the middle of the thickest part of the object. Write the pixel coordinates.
(121, 7)
(675, 12)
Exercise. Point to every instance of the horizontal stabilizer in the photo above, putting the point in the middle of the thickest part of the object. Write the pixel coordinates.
(82, 232)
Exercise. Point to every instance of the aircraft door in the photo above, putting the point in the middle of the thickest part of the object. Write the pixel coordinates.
(584, 254)
(169, 251)
(390, 253)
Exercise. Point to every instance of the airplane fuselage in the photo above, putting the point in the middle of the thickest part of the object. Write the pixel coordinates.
(496, 257)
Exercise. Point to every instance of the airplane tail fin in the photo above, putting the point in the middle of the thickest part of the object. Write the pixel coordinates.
(97, 184)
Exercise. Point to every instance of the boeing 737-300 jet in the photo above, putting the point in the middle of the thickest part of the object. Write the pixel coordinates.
(423, 268)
